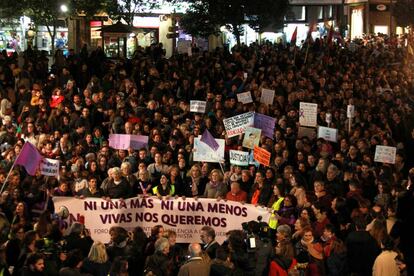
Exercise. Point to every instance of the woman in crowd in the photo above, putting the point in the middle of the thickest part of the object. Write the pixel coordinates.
(215, 188)
(97, 263)
(164, 188)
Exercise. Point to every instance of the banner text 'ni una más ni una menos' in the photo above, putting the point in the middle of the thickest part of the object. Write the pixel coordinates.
(186, 217)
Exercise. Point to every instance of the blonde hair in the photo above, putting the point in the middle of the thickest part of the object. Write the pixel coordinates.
(195, 167)
(98, 254)
(220, 175)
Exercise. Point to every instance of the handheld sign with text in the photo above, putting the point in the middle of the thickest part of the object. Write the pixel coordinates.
(268, 96)
(308, 113)
(262, 156)
(329, 134)
(239, 158)
(245, 98)
(198, 106)
(204, 153)
(385, 154)
(251, 137)
(237, 124)
(49, 167)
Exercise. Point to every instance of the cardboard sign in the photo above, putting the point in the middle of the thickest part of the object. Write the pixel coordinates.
(262, 156)
(308, 113)
(198, 106)
(385, 154)
(245, 98)
(268, 96)
(237, 124)
(203, 153)
(239, 158)
(251, 137)
(329, 134)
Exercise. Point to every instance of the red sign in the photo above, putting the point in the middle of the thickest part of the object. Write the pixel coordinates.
(262, 156)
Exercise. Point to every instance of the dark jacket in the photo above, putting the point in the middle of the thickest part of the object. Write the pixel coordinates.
(362, 251)
(158, 264)
(95, 269)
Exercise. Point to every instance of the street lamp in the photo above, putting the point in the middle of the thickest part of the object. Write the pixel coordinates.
(64, 8)
(30, 34)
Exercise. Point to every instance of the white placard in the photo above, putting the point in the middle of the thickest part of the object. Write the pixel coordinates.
(198, 106)
(350, 111)
(251, 137)
(268, 96)
(385, 154)
(245, 97)
(237, 124)
(308, 113)
(49, 167)
(239, 158)
(185, 217)
(329, 134)
(203, 153)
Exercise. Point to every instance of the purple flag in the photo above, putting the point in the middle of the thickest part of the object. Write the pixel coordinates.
(29, 158)
(265, 123)
(209, 140)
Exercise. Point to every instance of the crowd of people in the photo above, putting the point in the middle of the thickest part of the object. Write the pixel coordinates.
(334, 211)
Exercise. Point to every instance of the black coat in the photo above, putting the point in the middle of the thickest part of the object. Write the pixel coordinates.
(363, 249)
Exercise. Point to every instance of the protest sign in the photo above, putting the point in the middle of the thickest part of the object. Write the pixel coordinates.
(237, 124)
(265, 123)
(308, 114)
(268, 96)
(185, 217)
(251, 137)
(239, 158)
(183, 45)
(245, 97)
(126, 141)
(306, 132)
(49, 167)
(350, 111)
(262, 156)
(204, 153)
(385, 154)
(198, 106)
(329, 134)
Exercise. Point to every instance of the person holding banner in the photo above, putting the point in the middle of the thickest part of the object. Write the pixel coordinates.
(92, 190)
(195, 184)
(164, 188)
(215, 188)
(117, 187)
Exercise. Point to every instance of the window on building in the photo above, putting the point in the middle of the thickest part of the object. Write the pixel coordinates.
(320, 12)
(328, 10)
(296, 13)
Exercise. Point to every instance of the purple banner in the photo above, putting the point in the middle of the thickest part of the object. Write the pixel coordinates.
(265, 123)
(126, 141)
